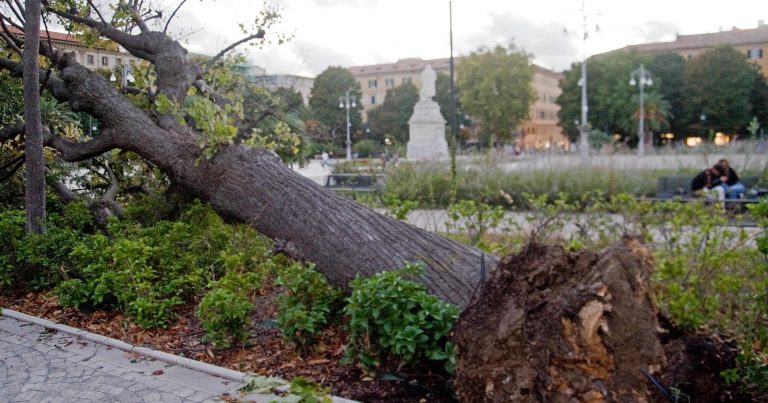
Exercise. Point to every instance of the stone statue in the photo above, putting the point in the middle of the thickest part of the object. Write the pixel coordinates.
(428, 78)
(426, 127)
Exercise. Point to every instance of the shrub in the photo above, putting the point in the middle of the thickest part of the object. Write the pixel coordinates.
(306, 305)
(394, 322)
(366, 149)
(225, 316)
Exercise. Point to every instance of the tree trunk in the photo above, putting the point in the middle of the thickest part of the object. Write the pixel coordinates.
(34, 190)
(252, 185)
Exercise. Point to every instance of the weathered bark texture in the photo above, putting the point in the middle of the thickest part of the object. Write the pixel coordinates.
(555, 326)
(34, 183)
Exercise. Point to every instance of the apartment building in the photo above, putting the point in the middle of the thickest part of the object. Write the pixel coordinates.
(92, 57)
(753, 43)
(541, 130)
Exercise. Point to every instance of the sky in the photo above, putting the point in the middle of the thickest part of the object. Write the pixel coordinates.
(360, 32)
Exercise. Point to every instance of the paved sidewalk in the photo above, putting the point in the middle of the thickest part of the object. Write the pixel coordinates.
(44, 365)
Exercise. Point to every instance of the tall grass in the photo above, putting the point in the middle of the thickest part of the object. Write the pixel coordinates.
(429, 183)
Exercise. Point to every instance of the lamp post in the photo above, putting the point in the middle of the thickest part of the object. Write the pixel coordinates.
(346, 102)
(641, 77)
(126, 74)
(702, 120)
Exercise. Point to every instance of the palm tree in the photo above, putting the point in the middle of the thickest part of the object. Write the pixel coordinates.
(658, 111)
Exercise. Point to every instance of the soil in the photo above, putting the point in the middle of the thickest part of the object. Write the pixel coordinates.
(557, 326)
(266, 353)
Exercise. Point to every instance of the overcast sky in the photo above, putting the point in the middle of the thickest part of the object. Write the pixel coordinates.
(357, 32)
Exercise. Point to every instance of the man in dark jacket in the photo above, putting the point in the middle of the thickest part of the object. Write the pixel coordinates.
(707, 183)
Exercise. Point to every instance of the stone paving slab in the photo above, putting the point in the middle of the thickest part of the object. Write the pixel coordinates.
(41, 361)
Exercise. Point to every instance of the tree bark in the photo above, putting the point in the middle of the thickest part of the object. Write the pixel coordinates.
(34, 184)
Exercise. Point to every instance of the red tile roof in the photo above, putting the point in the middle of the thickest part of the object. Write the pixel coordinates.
(55, 36)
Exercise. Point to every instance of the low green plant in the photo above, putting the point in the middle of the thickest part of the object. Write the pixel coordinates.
(225, 316)
(473, 219)
(399, 208)
(394, 322)
(306, 305)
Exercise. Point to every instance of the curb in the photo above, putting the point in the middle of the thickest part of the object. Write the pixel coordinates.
(121, 345)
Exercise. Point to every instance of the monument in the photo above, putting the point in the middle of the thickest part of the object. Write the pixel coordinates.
(426, 127)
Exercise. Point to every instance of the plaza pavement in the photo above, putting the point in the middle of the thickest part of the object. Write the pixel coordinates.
(41, 361)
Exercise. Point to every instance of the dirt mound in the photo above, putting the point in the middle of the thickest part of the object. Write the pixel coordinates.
(556, 326)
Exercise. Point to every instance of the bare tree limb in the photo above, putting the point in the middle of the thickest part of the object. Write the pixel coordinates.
(98, 12)
(66, 194)
(78, 151)
(167, 23)
(213, 60)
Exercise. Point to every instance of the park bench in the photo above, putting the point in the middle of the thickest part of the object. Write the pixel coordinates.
(354, 183)
(679, 187)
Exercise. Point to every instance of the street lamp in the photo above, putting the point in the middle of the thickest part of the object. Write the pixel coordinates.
(641, 77)
(346, 102)
(126, 74)
(703, 119)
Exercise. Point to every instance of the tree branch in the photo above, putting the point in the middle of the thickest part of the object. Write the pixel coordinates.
(77, 151)
(98, 12)
(167, 23)
(132, 43)
(11, 131)
(14, 165)
(226, 50)
(66, 194)
(217, 98)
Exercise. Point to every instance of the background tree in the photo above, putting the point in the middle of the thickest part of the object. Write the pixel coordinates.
(719, 84)
(328, 87)
(668, 69)
(391, 117)
(759, 99)
(496, 88)
(34, 183)
(613, 103)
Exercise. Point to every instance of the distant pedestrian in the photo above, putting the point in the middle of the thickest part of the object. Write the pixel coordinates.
(325, 159)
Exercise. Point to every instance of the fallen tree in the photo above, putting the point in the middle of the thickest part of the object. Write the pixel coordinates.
(242, 183)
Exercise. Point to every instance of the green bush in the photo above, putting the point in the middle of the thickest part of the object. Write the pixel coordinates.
(147, 271)
(306, 305)
(225, 316)
(394, 322)
(367, 149)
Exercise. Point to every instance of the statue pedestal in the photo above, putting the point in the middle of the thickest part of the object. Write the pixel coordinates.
(426, 129)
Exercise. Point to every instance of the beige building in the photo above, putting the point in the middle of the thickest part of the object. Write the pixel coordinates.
(753, 43)
(540, 130)
(93, 57)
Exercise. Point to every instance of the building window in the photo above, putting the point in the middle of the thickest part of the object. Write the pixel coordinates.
(89, 59)
(389, 82)
(406, 80)
(104, 61)
(756, 53)
(373, 83)
(373, 99)
(542, 115)
(118, 60)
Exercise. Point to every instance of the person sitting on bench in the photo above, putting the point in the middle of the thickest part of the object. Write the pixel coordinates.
(729, 181)
(707, 183)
